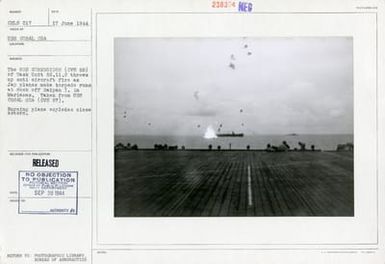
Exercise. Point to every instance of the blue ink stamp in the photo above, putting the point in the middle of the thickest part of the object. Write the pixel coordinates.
(48, 192)
(245, 7)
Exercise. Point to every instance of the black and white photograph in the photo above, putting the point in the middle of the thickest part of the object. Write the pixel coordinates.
(233, 127)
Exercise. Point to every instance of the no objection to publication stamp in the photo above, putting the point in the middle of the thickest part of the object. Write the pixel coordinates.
(48, 192)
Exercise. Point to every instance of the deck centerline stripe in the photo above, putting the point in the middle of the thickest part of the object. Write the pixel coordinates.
(249, 191)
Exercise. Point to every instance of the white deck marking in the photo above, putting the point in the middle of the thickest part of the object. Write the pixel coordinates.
(249, 191)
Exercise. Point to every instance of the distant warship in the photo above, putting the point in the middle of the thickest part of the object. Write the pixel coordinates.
(232, 134)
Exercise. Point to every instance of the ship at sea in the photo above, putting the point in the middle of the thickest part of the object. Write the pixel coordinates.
(232, 134)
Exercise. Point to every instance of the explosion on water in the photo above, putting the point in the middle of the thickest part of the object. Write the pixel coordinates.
(210, 133)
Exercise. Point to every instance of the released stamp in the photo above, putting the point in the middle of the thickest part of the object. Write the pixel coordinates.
(48, 192)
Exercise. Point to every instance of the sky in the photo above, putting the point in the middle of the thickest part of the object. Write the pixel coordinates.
(181, 86)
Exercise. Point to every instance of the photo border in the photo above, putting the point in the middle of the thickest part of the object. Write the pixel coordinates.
(95, 184)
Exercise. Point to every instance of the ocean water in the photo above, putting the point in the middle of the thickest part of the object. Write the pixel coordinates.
(323, 142)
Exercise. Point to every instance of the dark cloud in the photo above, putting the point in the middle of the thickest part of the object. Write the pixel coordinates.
(196, 95)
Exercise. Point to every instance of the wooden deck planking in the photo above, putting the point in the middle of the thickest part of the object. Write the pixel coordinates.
(216, 183)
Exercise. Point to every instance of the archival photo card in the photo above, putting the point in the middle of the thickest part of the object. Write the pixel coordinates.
(233, 127)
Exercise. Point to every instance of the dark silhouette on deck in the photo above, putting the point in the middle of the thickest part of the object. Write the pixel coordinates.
(345, 147)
